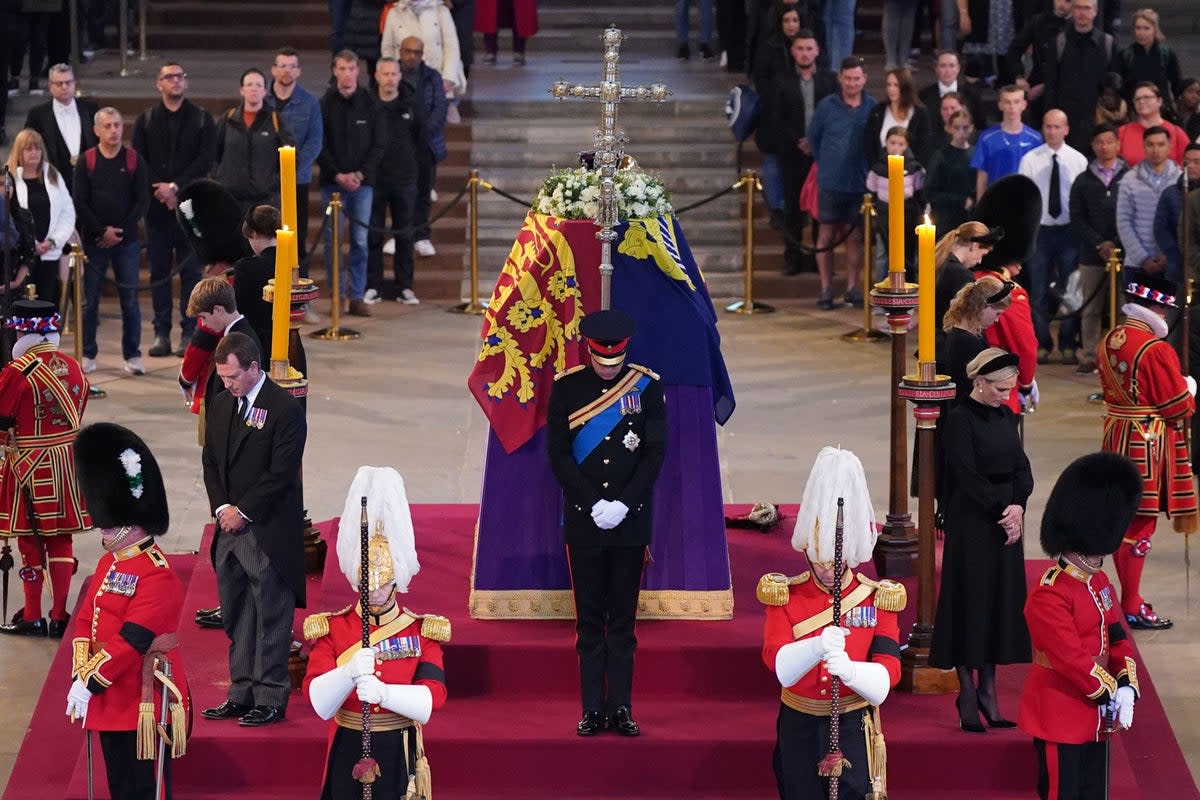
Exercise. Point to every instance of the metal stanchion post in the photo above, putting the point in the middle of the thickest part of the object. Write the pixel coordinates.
(750, 183)
(866, 333)
(78, 263)
(142, 55)
(73, 22)
(1113, 268)
(472, 306)
(335, 333)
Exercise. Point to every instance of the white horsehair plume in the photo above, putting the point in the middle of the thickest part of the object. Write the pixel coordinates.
(387, 502)
(836, 473)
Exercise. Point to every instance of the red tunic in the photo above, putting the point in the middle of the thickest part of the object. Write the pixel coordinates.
(1148, 408)
(134, 597)
(799, 619)
(524, 17)
(198, 363)
(44, 392)
(1082, 653)
(1013, 331)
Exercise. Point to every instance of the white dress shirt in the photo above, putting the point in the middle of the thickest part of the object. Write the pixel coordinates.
(1036, 165)
(945, 88)
(69, 125)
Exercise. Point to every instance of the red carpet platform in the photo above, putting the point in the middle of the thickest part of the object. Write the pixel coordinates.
(706, 704)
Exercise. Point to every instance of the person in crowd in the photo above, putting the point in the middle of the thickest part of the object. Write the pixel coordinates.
(250, 275)
(1032, 44)
(947, 106)
(899, 19)
(493, 15)
(300, 112)
(352, 147)
(979, 621)
(987, 32)
(428, 85)
(1148, 59)
(836, 138)
(43, 192)
(1053, 167)
(1187, 104)
(1150, 403)
(608, 507)
(774, 77)
(33, 21)
(950, 80)
(914, 192)
(339, 10)
(1094, 225)
(112, 194)
(177, 141)
(1074, 68)
(253, 446)
(839, 29)
(950, 184)
(1084, 678)
(1111, 108)
(1169, 214)
(999, 150)
(901, 109)
(805, 648)
(65, 123)
(363, 34)
(463, 14)
(43, 394)
(404, 692)
(396, 193)
(125, 634)
(249, 136)
(682, 28)
(1137, 203)
(1192, 231)
(1147, 114)
(974, 309)
(432, 23)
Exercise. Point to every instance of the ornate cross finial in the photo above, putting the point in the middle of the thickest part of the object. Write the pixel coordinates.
(609, 142)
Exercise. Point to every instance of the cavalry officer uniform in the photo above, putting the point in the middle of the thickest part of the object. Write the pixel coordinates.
(42, 396)
(400, 675)
(1083, 683)
(1149, 406)
(607, 439)
(809, 650)
(125, 648)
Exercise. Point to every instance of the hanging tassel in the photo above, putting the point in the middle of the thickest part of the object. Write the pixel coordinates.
(832, 764)
(423, 778)
(145, 732)
(366, 770)
(178, 730)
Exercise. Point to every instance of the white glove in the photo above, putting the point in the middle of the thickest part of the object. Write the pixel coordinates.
(327, 692)
(77, 701)
(1191, 384)
(1124, 699)
(598, 509)
(1035, 395)
(370, 690)
(795, 659)
(840, 666)
(833, 639)
(414, 702)
(360, 664)
(614, 514)
(870, 680)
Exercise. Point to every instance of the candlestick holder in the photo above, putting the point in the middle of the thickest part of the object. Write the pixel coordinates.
(896, 550)
(927, 391)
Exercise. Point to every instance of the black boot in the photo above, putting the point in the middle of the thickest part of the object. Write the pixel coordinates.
(967, 702)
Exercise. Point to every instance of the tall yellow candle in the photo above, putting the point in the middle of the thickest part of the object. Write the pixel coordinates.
(287, 187)
(926, 324)
(896, 213)
(285, 248)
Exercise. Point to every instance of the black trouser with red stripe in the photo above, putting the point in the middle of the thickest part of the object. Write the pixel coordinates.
(1070, 771)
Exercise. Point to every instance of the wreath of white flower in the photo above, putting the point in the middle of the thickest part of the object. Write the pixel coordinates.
(575, 194)
(132, 463)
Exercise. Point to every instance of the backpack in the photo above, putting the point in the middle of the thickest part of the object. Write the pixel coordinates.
(742, 110)
(1060, 44)
(131, 160)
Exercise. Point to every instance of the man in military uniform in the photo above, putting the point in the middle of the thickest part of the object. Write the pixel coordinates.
(1083, 684)
(1149, 405)
(125, 649)
(42, 396)
(400, 674)
(807, 649)
(607, 436)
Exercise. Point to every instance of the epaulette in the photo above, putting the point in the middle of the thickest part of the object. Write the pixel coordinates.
(317, 625)
(773, 587)
(889, 595)
(432, 626)
(1050, 576)
(157, 558)
(643, 370)
(570, 371)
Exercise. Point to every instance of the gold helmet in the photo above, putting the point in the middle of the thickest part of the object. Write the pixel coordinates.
(391, 548)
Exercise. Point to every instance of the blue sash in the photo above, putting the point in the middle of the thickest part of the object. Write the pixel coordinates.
(595, 429)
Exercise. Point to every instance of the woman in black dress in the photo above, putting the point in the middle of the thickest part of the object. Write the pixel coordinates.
(980, 620)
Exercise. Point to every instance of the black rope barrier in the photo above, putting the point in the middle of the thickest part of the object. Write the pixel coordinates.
(406, 231)
(709, 199)
(506, 195)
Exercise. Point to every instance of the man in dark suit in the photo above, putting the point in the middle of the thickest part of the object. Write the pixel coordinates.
(253, 445)
(950, 79)
(607, 436)
(66, 123)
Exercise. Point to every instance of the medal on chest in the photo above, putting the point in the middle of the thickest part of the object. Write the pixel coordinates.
(256, 418)
(631, 441)
(398, 647)
(121, 583)
(860, 617)
(631, 402)
(1106, 598)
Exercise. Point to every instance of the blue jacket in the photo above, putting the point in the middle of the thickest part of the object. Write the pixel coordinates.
(302, 116)
(1137, 203)
(431, 98)
(835, 135)
(1166, 230)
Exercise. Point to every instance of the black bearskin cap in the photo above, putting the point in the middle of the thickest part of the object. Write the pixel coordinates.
(1014, 204)
(212, 220)
(1091, 505)
(120, 479)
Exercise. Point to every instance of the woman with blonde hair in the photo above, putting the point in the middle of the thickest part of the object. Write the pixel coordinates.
(956, 256)
(980, 615)
(1147, 59)
(974, 309)
(43, 193)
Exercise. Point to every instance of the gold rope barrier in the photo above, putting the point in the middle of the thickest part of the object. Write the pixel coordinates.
(750, 183)
(867, 333)
(335, 332)
(472, 305)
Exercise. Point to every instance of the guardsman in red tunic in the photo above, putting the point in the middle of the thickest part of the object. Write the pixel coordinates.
(1083, 684)
(1150, 403)
(42, 396)
(400, 675)
(126, 652)
(806, 650)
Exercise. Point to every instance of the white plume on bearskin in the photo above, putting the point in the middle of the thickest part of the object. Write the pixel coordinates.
(836, 473)
(387, 502)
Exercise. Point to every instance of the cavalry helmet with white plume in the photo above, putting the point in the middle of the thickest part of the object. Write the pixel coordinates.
(836, 473)
(391, 549)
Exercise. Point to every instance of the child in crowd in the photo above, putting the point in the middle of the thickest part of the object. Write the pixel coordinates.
(951, 178)
(914, 197)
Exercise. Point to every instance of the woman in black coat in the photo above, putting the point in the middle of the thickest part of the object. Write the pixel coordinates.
(900, 107)
(980, 615)
(251, 274)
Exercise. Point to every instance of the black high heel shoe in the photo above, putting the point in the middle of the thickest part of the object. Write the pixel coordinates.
(999, 722)
(971, 726)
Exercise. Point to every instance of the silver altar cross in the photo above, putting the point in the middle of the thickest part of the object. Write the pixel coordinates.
(609, 143)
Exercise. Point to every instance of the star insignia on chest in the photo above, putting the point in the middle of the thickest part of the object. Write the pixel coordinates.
(631, 441)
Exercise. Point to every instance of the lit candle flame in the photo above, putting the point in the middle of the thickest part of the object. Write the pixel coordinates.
(928, 221)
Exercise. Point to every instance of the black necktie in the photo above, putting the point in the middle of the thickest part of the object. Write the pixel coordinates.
(241, 408)
(1055, 202)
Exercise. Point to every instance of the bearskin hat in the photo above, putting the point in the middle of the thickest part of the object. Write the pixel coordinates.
(1091, 505)
(1014, 204)
(120, 479)
(212, 219)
